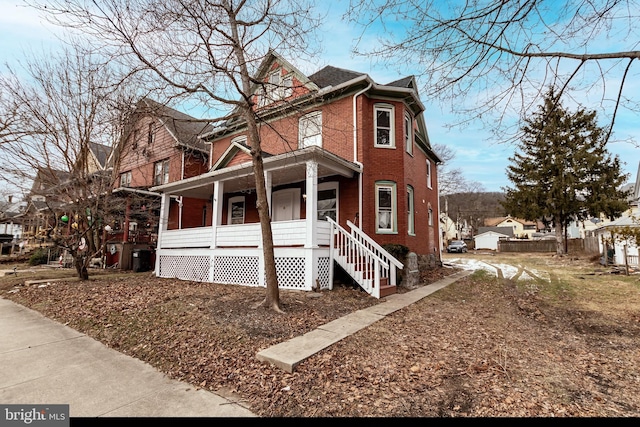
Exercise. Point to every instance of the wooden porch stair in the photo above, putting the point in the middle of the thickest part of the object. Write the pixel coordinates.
(372, 267)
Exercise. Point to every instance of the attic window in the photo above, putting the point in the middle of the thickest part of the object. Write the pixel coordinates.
(276, 88)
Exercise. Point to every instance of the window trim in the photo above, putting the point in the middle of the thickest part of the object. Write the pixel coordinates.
(379, 185)
(127, 176)
(411, 229)
(391, 110)
(429, 179)
(332, 185)
(312, 119)
(164, 172)
(231, 201)
(408, 133)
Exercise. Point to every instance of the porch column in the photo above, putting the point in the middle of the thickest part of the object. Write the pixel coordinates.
(268, 183)
(163, 221)
(163, 224)
(216, 220)
(311, 240)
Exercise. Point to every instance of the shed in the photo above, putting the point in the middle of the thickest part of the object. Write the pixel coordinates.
(488, 240)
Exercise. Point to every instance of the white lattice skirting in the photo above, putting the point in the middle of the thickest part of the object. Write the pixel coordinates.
(195, 268)
(245, 269)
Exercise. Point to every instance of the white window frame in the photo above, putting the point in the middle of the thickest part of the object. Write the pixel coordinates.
(324, 186)
(162, 171)
(429, 184)
(125, 179)
(391, 187)
(310, 130)
(410, 211)
(408, 133)
(430, 213)
(391, 129)
(232, 201)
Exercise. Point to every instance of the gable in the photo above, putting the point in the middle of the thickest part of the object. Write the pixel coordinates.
(279, 82)
(237, 153)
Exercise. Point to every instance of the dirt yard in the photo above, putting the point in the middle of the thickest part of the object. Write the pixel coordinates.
(533, 336)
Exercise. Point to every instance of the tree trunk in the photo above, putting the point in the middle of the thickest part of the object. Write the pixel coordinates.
(559, 239)
(81, 268)
(272, 298)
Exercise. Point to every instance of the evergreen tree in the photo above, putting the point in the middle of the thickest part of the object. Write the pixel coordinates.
(562, 171)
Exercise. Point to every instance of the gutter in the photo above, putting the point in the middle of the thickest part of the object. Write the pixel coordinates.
(355, 151)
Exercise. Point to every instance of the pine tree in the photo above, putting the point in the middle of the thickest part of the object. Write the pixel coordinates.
(562, 171)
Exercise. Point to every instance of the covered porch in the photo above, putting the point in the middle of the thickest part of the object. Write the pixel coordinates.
(229, 250)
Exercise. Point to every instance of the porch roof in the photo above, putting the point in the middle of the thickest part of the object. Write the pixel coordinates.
(285, 168)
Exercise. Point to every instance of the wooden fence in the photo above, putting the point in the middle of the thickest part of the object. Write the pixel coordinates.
(588, 245)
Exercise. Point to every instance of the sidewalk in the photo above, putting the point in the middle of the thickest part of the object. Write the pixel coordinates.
(45, 362)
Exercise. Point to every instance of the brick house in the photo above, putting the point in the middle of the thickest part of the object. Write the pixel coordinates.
(159, 146)
(348, 167)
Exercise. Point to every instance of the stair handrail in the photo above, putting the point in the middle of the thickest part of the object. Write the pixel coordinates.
(383, 263)
(361, 235)
(379, 263)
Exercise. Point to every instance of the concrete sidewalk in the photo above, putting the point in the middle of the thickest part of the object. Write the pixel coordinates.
(288, 354)
(45, 362)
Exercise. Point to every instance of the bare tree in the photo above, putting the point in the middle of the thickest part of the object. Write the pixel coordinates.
(494, 58)
(61, 105)
(452, 180)
(207, 50)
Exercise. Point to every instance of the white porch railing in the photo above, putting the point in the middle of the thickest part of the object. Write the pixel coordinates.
(363, 259)
(285, 233)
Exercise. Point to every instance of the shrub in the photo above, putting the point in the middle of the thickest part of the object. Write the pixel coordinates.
(40, 256)
(398, 251)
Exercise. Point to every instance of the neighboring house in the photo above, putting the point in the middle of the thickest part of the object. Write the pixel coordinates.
(11, 218)
(160, 145)
(348, 165)
(608, 242)
(488, 237)
(44, 199)
(520, 227)
(448, 229)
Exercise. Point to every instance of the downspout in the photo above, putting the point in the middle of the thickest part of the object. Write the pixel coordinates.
(355, 152)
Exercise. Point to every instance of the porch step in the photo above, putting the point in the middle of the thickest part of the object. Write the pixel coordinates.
(387, 290)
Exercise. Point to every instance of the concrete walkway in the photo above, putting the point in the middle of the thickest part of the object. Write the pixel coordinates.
(45, 362)
(288, 354)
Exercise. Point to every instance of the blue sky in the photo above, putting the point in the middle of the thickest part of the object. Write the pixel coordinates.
(482, 159)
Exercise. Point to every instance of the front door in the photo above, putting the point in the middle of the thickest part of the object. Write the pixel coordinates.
(284, 204)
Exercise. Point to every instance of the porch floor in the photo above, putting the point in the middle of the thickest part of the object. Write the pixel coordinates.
(287, 355)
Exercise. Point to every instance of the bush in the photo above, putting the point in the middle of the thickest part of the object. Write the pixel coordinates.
(40, 256)
(398, 251)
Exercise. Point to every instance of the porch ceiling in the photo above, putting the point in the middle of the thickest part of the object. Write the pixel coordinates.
(285, 169)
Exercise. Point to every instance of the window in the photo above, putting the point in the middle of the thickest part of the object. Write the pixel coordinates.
(328, 201)
(408, 133)
(150, 134)
(430, 216)
(236, 210)
(310, 130)
(161, 172)
(385, 207)
(277, 87)
(384, 126)
(429, 185)
(410, 209)
(125, 179)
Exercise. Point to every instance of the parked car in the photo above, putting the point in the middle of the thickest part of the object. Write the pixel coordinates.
(457, 246)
